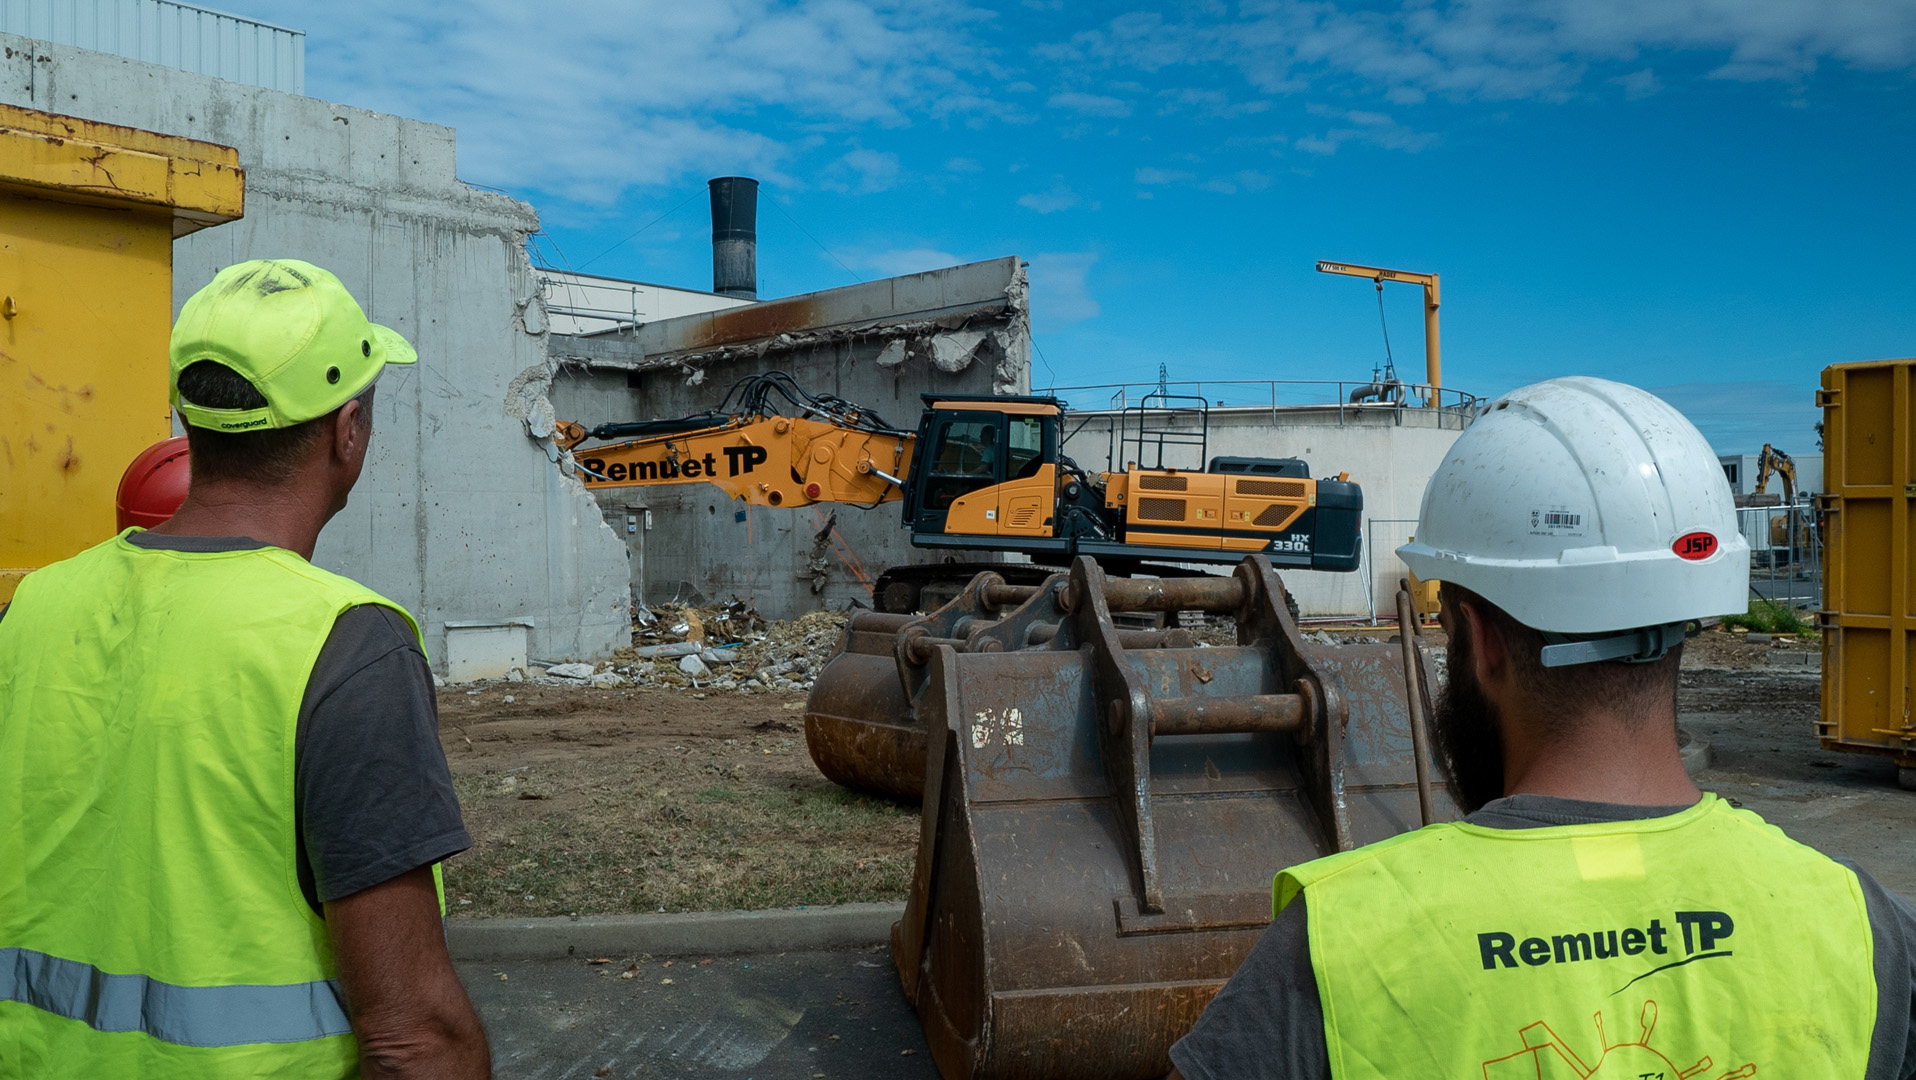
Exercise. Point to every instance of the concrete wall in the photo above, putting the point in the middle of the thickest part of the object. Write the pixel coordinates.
(958, 331)
(459, 516)
(1390, 452)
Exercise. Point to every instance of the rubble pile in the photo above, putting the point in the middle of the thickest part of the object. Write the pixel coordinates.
(726, 647)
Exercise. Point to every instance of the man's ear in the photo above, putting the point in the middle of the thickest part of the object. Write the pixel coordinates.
(1489, 654)
(351, 432)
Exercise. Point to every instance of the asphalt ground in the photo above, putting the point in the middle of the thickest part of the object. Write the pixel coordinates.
(791, 1016)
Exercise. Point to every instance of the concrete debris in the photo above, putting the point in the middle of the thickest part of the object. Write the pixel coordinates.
(953, 352)
(736, 650)
(570, 671)
(608, 680)
(669, 649)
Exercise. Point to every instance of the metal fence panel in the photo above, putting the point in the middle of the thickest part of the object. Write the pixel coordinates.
(167, 32)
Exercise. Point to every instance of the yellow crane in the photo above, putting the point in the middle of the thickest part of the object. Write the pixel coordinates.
(1433, 297)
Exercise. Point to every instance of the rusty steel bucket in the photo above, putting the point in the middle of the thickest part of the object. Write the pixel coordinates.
(862, 723)
(1101, 823)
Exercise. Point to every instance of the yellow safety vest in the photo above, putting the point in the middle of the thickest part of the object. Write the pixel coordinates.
(151, 920)
(1704, 945)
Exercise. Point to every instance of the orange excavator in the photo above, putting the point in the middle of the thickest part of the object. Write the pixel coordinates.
(988, 473)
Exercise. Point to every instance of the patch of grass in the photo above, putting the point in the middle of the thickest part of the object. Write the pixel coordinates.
(1772, 617)
(611, 843)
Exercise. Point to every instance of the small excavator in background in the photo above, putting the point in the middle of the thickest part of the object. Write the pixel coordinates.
(1792, 530)
(988, 473)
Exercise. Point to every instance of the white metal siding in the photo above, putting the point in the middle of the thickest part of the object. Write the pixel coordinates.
(164, 32)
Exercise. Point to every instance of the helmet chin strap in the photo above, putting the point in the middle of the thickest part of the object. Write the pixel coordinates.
(1639, 646)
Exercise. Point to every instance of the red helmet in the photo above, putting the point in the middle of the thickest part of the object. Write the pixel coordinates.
(154, 485)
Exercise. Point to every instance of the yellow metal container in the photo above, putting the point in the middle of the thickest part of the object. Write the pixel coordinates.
(1869, 597)
(88, 215)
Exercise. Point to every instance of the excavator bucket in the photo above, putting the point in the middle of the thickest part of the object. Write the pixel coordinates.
(862, 723)
(1104, 810)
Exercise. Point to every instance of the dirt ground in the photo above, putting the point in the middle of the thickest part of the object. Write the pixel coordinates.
(584, 801)
(593, 801)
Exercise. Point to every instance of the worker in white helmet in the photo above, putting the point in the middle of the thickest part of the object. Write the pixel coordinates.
(1594, 914)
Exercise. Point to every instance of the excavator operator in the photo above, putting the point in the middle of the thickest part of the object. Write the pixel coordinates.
(1595, 914)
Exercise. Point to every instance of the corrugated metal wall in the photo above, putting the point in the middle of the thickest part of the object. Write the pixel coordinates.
(163, 32)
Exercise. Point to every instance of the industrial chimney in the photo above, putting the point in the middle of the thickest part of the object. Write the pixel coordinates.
(735, 236)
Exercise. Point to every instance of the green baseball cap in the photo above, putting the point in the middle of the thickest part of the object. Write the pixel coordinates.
(293, 331)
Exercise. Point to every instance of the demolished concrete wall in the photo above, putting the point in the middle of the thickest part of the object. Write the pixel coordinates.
(882, 344)
(458, 516)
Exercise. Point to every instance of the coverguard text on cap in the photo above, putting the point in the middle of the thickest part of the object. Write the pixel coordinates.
(293, 331)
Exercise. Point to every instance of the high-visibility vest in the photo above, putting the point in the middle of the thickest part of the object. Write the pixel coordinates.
(1705, 945)
(151, 919)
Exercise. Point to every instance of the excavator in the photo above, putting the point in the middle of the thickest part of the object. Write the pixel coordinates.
(1791, 533)
(985, 473)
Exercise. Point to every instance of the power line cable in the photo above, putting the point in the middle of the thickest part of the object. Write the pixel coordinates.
(1390, 364)
(637, 231)
(1045, 359)
(814, 239)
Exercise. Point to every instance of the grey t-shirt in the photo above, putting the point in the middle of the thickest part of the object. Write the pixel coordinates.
(372, 795)
(1267, 1022)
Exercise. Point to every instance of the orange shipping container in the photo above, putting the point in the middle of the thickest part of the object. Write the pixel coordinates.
(1869, 592)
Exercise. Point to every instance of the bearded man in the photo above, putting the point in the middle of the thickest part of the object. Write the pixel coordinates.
(1594, 913)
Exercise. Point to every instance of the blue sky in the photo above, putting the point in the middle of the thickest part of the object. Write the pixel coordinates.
(1711, 198)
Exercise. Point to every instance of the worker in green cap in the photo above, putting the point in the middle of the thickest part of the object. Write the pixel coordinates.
(223, 794)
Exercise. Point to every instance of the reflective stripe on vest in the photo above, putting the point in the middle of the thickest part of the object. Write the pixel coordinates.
(1704, 944)
(187, 1015)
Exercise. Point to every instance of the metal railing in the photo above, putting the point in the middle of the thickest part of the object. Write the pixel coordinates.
(1786, 553)
(1283, 394)
(558, 292)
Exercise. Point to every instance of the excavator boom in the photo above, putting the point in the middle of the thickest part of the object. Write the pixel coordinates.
(803, 449)
(767, 461)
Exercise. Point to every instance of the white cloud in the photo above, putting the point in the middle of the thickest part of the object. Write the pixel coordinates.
(1639, 84)
(904, 260)
(1090, 104)
(1059, 293)
(864, 171)
(1363, 127)
(584, 99)
(1245, 180)
(1153, 176)
(1058, 198)
(1502, 49)
(1739, 417)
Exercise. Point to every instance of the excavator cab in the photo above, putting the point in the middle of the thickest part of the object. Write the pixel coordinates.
(988, 468)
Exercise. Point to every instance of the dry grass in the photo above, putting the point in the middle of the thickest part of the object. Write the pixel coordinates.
(688, 820)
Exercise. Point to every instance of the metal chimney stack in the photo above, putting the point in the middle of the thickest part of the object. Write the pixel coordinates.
(735, 236)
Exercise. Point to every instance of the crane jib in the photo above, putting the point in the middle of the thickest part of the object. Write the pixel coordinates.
(738, 461)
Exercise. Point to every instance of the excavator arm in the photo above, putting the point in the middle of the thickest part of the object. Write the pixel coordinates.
(1776, 461)
(837, 453)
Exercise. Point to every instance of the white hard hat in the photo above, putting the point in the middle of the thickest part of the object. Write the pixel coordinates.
(1584, 506)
